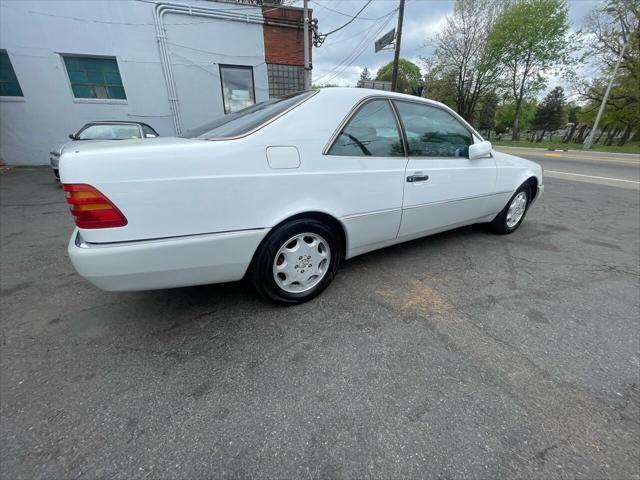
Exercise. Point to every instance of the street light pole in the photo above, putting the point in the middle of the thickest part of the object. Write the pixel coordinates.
(589, 141)
(307, 68)
(396, 55)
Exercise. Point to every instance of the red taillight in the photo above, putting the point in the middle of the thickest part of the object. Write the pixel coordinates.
(91, 209)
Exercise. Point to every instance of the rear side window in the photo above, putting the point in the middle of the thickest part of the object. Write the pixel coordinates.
(109, 132)
(371, 132)
(244, 121)
(433, 132)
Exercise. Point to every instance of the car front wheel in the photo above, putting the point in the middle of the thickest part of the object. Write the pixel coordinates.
(297, 261)
(510, 218)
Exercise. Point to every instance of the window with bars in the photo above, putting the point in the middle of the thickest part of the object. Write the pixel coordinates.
(94, 77)
(9, 86)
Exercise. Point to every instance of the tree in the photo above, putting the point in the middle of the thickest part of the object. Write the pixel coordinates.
(365, 74)
(409, 74)
(487, 120)
(439, 85)
(549, 114)
(506, 113)
(611, 27)
(572, 112)
(462, 52)
(530, 38)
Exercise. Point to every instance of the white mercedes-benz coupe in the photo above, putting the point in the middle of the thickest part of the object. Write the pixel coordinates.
(283, 191)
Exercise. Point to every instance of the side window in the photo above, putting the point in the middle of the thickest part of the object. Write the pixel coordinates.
(371, 132)
(433, 132)
(148, 131)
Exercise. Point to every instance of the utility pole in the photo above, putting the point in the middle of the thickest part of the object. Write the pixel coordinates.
(307, 67)
(396, 55)
(589, 141)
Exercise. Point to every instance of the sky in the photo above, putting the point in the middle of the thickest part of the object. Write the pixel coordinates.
(343, 55)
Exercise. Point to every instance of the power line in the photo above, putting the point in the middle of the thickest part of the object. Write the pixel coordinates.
(352, 56)
(349, 15)
(352, 19)
(321, 37)
(355, 54)
(340, 40)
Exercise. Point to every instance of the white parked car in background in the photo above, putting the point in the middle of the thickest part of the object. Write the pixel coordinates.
(285, 190)
(99, 132)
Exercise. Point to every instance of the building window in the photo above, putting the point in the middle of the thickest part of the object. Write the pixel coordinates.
(237, 87)
(284, 79)
(9, 86)
(94, 77)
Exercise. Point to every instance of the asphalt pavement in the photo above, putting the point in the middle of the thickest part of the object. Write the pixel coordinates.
(615, 169)
(462, 355)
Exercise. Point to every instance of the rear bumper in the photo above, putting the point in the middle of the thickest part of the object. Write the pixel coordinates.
(165, 263)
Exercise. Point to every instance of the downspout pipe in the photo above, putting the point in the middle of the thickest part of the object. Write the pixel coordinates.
(160, 10)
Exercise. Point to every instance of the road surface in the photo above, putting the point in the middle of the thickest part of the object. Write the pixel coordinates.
(463, 355)
(614, 169)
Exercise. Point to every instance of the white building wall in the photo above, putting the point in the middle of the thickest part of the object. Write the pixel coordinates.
(35, 33)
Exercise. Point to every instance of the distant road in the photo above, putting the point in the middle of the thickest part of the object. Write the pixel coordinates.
(614, 169)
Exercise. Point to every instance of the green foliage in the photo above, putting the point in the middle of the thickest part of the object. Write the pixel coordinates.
(440, 87)
(549, 115)
(506, 113)
(573, 111)
(487, 117)
(463, 66)
(529, 38)
(409, 74)
(365, 74)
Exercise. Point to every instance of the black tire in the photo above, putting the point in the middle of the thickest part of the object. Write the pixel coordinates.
(499, 224)
(261, 274)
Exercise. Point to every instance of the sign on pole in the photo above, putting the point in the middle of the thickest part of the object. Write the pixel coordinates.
(386, 39)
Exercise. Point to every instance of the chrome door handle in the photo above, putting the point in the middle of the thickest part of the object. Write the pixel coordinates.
(417, 178)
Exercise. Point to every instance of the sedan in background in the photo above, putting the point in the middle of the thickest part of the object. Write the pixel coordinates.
(283, 191)
(100, 131)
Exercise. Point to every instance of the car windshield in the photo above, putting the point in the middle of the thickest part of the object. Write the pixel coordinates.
(246, 120)
(110, 132)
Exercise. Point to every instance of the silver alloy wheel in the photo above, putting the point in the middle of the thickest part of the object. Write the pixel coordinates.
(301, 263)
(516, 209)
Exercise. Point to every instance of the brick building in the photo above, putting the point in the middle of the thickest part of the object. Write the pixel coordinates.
(283, 48)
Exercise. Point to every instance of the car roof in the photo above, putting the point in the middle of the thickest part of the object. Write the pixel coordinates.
(353, 93)
(117, 122)
(356, 94)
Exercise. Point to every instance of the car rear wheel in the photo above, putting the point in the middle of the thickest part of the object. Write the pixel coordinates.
(297, 261)
(510, 218)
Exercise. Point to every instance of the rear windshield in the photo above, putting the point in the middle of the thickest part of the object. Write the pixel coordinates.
(247, 119)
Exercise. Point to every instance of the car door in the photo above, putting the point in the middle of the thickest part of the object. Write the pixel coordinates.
(443, 187)
(367, 153)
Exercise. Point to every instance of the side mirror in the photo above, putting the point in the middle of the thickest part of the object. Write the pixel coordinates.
(479, 150)
(72, 136)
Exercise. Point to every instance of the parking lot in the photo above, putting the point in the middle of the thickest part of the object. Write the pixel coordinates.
(462, 355)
